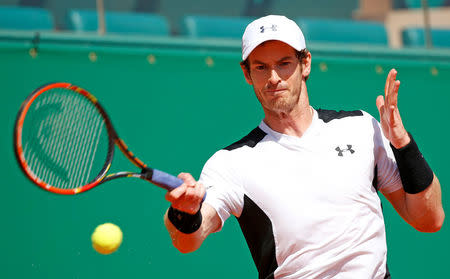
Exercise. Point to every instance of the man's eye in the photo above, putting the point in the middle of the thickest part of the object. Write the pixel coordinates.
(260, 67)
(286, 63)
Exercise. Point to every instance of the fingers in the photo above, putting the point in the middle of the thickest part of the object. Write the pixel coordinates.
(187, 178)
(391, 88)
(390, 119)
(380, 104)
(388, 83)
(395, 93)
(390, 103)
(189, 182)
(187, 197)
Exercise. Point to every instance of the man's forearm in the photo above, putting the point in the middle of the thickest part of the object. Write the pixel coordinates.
(189, 242)
(424, 209)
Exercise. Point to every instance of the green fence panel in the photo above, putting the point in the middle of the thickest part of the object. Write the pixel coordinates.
(175, 103)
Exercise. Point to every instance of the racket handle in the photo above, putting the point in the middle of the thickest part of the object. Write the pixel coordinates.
(165, 180)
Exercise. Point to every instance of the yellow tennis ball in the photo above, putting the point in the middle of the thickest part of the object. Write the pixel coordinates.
(106, 238)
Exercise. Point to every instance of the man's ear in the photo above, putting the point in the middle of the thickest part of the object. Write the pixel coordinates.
(306, 65)
(246, 72)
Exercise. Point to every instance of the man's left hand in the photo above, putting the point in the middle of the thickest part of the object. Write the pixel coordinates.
(390, 119)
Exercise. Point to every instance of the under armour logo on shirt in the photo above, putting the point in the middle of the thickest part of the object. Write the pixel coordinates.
(264, 28)
(342, 150)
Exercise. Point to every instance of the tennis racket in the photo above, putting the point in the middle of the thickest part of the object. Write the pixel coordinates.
(64, 142)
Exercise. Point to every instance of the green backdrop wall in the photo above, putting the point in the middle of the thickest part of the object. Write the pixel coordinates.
(175, 102)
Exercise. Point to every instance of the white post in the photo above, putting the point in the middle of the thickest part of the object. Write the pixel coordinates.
(101, 17)
(426, 24)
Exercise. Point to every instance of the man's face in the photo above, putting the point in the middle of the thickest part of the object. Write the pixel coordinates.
(276, 76)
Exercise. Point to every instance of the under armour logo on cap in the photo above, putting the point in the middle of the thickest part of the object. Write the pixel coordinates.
(264, 28)
(342, 150)
(271, 27)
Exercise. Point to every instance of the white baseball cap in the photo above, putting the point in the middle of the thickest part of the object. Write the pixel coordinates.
(272, 27)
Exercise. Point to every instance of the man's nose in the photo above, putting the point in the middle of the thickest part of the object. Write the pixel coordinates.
(274, 77)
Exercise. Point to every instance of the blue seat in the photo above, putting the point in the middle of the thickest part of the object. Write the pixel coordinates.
(343, 31)
(415, 4)
(118, 22)
(59, 8)
(196, 26)
(317, 8)
(175, 10)
(25, 18)
(415, 37)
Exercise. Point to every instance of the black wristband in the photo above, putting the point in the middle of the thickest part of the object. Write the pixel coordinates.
(415, 173)
(185, 222)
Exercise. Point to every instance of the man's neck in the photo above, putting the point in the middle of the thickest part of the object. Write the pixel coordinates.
(294, 123)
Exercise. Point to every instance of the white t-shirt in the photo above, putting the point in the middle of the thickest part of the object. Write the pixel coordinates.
(308, 206)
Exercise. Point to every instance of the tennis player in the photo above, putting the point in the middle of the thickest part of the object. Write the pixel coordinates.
(303, 184)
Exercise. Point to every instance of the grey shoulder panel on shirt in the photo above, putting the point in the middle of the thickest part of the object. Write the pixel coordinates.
(328, 115)
(255, 136)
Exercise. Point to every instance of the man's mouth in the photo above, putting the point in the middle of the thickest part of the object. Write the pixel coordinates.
(275, 91)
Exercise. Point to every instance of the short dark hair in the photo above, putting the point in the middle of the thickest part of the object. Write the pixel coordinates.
(301, 54)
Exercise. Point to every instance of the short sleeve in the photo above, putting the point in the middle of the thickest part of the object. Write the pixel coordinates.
(223, 186)
(388, 176)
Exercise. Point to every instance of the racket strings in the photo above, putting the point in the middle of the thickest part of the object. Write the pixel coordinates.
(71, 161)
(89, 142)
(66, 144)
(52, 147)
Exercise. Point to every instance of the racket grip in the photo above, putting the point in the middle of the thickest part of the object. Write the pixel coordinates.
(165, 180)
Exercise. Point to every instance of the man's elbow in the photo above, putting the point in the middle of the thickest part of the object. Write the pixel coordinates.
(184, 247)
(439, 222)
(185, 250)
(186, 243)
(433, 225)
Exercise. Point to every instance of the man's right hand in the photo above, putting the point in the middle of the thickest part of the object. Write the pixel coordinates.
(188, 197)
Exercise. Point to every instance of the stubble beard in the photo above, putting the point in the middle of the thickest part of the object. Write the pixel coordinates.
(280, 105)
(285, 105)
